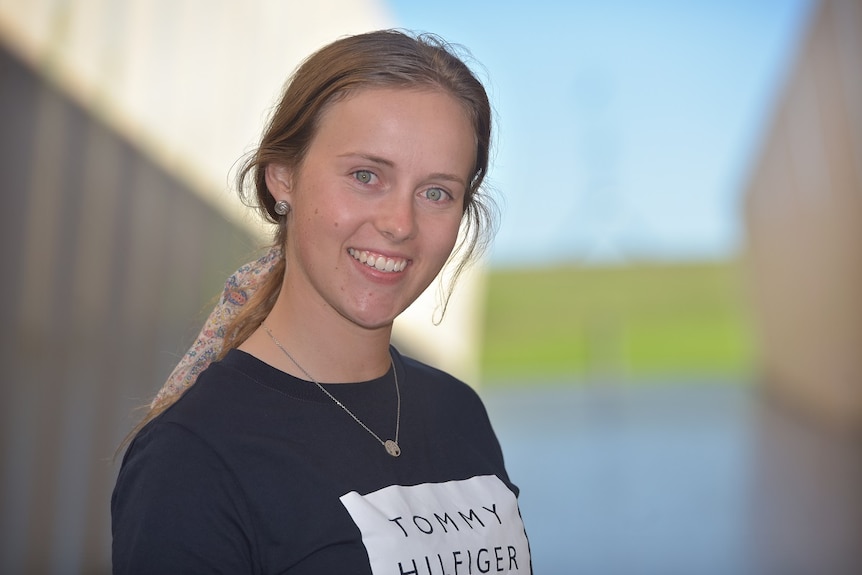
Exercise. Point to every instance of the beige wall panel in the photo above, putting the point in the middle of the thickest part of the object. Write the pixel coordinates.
(804, 218)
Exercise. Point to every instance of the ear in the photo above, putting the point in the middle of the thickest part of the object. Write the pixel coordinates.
(279, 182)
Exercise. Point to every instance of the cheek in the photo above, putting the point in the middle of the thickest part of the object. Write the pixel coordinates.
(447, 239)
(323, 218)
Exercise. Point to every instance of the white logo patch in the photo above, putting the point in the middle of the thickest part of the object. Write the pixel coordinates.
(468, 527)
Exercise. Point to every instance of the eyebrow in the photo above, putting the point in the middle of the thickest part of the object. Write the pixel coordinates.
(390, 164)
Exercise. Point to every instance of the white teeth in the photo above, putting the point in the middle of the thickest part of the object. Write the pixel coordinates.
(380, 263)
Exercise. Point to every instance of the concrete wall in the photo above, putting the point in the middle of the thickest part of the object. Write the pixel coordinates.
(804, 221)
(106, 260)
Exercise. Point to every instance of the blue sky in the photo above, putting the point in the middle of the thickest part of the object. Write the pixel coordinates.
(626, 129)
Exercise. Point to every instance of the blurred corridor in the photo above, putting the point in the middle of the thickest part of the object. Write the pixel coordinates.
(665, 478)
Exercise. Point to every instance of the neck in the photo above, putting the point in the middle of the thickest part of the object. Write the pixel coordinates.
(327, 346)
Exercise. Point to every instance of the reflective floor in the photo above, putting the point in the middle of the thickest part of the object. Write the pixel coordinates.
(664, 479)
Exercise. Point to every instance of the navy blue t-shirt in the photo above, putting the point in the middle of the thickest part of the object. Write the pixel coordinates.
(255, 471)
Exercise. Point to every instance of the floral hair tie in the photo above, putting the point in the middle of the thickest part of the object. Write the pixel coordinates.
(238, 288)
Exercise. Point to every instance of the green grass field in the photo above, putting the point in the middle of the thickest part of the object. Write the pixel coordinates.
(635, 321)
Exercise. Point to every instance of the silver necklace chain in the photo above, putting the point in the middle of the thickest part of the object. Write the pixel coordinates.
(391, 446)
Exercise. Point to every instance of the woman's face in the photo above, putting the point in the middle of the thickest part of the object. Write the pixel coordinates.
(377, 202)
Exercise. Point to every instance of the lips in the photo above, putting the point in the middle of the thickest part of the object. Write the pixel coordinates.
(378, 262)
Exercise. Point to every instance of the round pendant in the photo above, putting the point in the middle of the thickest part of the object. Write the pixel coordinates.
(392, 448)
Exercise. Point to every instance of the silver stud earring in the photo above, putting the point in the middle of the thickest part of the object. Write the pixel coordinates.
(282, 207)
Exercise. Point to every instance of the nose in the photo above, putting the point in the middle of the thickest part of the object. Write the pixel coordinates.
(397, 216)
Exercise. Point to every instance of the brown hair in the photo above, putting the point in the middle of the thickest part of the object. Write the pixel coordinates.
(386, 58)
(382, 59)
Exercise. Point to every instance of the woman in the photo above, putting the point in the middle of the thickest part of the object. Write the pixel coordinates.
(312, 445)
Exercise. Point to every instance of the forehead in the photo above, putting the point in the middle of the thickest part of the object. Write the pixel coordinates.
(389, 93)
(399, 121)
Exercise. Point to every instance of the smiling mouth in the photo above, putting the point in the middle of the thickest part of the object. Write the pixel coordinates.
(380, 263)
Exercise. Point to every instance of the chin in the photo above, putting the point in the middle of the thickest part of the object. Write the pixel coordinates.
(377, 311)
(374, 320)
(373, 324)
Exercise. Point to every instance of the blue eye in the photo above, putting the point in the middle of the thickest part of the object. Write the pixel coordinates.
(363, 176)
(435, 194)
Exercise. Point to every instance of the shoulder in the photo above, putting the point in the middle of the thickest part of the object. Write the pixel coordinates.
(171, 483)
(441, 391)
(433, 378)
(223, 395)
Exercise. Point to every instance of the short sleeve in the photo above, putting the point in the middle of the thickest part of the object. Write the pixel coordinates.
(177, 508)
